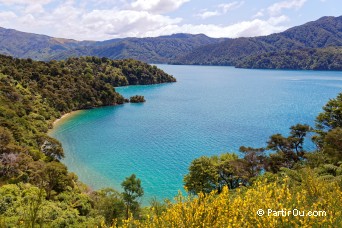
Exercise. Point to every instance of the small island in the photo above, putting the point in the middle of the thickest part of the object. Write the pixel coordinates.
(137, 99)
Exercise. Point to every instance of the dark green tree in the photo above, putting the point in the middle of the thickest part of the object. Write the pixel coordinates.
(331, 117)
(289, 149)
(202, 176)
(132, 192)
(109, 203)
(253, 161)
(332, 145)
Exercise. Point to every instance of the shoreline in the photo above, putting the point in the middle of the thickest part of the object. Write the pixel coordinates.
(64, 117)
(60, 118)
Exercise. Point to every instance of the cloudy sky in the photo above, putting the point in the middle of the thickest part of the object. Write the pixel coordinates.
(107, 19)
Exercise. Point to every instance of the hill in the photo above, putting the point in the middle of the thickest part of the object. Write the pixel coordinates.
(161, 49)
(38, 47)
(325, 32)
(329, 58)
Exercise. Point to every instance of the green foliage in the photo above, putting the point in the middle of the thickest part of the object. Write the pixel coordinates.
(202, 177)
(289, 150)
(207, 174)
(302, 59)
(332, 145)
(331, 117)
(137, 99)
(109, 204)
(132, 192)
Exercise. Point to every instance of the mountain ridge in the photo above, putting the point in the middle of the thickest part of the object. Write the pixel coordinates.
(324, 32)
(180, 48)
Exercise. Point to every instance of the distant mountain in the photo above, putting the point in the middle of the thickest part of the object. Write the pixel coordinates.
(34, 46)
(161, 49)
(325, 32)
(187, 48)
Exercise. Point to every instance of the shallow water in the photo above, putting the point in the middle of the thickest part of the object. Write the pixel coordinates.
(208, 111)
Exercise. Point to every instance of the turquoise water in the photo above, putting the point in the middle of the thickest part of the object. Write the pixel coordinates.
(209, 110)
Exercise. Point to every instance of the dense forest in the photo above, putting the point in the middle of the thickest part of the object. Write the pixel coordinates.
(224, 190)
(304, 59)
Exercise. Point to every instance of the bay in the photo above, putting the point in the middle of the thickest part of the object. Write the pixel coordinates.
(208, 111)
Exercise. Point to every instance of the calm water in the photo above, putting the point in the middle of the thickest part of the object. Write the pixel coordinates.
(209, 110)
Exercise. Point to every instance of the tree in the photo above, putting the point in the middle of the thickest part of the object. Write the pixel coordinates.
(253, 161)
(6, 138)
(202, 176)
(132, 192)
(53, 177)
(108, 203)
(289, 149)
(331, 117)
(229, 172)
(213, 173)
(333, 145)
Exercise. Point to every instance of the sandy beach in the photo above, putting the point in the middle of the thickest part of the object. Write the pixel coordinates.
(64, 117)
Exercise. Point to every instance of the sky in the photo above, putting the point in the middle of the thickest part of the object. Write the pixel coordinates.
(108, 19)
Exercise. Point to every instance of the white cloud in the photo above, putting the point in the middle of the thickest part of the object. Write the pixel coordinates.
(221, 9)
(6, 17)
(254, 27)
(124, 23)
(276, 8)
(259, 14)
(158, 6)
(24, 2)
(207, 14)
(34, 8)
(230, 6)
(70, 19)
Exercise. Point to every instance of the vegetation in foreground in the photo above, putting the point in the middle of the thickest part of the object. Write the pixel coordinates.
(224, 191)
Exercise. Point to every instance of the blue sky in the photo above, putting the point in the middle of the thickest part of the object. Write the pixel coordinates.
(107, 19)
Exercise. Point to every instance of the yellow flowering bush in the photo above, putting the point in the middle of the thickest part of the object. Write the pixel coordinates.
(314, 203)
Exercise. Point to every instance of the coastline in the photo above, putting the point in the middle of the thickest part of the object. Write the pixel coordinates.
(63, 118)
(60, 118)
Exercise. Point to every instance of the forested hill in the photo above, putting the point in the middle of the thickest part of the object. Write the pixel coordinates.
(325, 32)
(161, 49)
(305, 59)
(39, 47)
(33, 94)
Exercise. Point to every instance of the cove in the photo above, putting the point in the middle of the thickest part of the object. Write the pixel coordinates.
(209, 110)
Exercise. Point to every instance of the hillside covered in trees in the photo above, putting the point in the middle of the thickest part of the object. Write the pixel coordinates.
(305, 59)
(325, 32)
(191, 49)
(32, 95)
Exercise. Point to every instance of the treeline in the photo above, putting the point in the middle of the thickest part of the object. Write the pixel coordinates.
(304, 59)
(32, 95)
